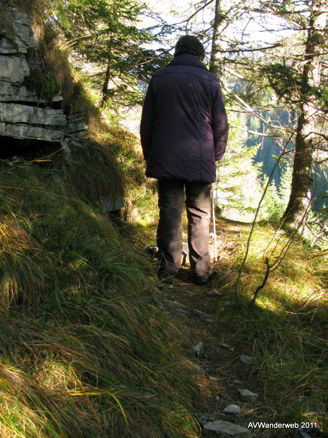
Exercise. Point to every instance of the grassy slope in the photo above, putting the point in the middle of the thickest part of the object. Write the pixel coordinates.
(84, 350)
(285, 333)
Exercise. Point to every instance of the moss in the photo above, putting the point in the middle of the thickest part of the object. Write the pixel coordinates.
(43, 83)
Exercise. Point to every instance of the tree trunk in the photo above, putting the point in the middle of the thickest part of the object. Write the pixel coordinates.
(300, 197)
(215, 62)
(105, 86)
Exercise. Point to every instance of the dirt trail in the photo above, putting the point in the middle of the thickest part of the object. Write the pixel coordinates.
(211, 347)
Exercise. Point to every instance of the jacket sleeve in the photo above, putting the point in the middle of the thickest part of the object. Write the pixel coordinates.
(219, 125)
(146, 125)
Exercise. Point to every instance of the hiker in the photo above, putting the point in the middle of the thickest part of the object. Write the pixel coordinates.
(183, 131)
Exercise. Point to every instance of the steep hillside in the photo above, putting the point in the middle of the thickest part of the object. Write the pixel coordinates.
(85, 351)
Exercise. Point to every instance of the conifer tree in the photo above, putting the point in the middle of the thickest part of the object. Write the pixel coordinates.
(293, 68)
(105, 34)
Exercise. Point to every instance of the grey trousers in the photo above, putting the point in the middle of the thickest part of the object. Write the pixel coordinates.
(171, 194)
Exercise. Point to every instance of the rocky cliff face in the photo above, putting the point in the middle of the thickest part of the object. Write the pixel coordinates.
(23, 113)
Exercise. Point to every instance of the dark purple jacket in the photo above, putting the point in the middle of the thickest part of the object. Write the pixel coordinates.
(184, 127)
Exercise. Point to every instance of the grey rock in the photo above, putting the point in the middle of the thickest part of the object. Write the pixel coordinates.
(238, 382)
(213, 293)
(21, 120)
(16, 113)
(66, 149)
(232, 409)
(228, 347)
(245, 359)
(13, 69)
(198, 349)
(16, 93)
(17, 27)
(204, 418)
(226, 429)
(7, 47)
(247, 395)
(74, 127)
(26, 131)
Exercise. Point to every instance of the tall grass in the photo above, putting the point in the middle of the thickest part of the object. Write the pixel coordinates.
(84, 350)
(285, 332)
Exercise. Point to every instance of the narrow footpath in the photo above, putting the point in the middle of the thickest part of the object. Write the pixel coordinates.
(233, 401)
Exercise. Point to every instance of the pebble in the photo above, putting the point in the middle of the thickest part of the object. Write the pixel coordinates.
(245, 359)
(214, 293)
(226, 429)
(228, 347)
(232, 409)
(204, 418)
(247, 395)
(238, 382)
(198, 348)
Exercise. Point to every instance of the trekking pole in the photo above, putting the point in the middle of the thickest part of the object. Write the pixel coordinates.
(214, 226)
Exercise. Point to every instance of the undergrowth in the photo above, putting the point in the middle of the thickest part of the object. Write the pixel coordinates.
(84, 350)
(285, 332)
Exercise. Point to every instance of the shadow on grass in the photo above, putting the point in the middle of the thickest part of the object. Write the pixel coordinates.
(285, 332)
(85, 351)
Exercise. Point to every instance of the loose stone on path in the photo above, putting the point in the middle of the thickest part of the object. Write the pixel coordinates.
(247, 395)
(228, 347)
(232, 410)
(213, 293)
(226, 429)
(245, 359)
(238, 382)
(198, 348)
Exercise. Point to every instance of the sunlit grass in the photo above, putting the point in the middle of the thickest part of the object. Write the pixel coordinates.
(84, 350)
(285, 331)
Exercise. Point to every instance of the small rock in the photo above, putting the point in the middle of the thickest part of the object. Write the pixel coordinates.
(204, 418)
(247, 395)
(245, 359)
(213, 293)
(238, 382)
(232, 409)
(198, 348)
(224, 428)
(228, 347)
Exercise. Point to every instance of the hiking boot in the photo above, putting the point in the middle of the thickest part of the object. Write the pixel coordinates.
(153, 251)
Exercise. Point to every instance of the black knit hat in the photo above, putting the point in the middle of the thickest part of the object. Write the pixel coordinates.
(191, 45)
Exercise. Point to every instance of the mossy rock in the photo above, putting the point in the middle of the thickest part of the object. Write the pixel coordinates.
(43, 83)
